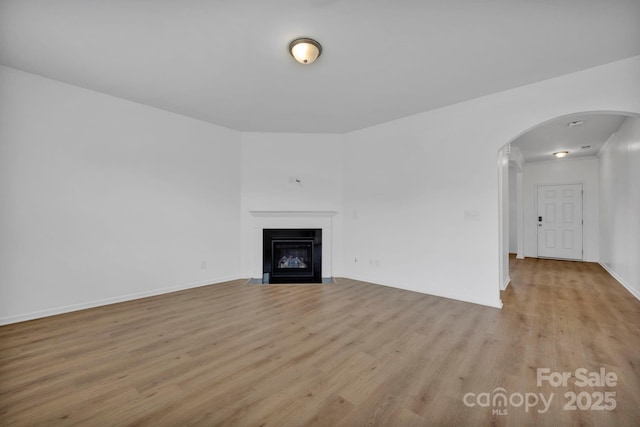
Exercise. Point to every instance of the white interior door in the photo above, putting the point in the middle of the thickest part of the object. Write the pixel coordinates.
(560, 221)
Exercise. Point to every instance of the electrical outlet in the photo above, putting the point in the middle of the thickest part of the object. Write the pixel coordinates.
(471, 215)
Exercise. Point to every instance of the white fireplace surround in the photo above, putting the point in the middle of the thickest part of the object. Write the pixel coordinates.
(292, 219)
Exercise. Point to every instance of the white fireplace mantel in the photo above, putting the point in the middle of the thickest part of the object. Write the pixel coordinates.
(292, 219)
(292, 214)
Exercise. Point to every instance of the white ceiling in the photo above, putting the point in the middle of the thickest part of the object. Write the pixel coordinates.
(226, 61)
(540, 143)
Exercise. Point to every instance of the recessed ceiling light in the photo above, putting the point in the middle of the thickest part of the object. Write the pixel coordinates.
(561, 154)
(305, 50)
(576, 123)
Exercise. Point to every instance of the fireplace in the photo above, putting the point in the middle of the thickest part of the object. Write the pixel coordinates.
(292, 255)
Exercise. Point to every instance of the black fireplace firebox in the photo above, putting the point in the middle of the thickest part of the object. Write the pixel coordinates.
(292, 255)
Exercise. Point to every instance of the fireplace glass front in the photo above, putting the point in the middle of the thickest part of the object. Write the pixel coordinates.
(294, 255)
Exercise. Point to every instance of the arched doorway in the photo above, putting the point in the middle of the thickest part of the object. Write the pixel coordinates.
(535, 146)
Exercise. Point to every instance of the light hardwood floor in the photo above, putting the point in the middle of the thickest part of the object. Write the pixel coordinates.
(349, 354)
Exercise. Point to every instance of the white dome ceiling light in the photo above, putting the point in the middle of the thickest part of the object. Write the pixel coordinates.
(305, 50)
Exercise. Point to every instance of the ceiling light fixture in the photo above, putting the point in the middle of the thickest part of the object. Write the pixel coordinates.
(561, 154)
(305, 50)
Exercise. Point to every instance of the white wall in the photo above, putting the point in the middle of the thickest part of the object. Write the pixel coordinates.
(270, 164)
(409, 181)
(513, 211)
(104, 200)
(563, 171)
(620, 205)
(503, 215)
(516, 197)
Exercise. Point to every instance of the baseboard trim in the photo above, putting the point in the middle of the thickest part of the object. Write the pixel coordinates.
(496, 304)
(506, 282)
(620, 280)
(7, 320)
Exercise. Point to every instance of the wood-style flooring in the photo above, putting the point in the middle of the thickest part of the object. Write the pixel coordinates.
(349, 354)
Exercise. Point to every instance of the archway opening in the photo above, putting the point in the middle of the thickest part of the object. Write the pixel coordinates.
(527, 162)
